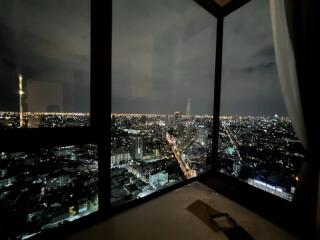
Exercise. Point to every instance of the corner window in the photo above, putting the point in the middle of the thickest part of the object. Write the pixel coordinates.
(257, 143)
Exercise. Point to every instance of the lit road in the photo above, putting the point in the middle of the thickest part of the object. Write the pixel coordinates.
(187, 171)
(233, 143)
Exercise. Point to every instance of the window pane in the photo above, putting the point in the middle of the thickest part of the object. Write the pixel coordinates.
(45, 188)
(44, 63)
(257, 143)
(162, 94)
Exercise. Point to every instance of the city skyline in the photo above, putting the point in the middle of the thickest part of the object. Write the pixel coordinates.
(262, 151)
(162, 128)
(148, 153)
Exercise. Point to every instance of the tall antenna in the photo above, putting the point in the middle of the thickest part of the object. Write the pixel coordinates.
(188, 113)
(21, 92)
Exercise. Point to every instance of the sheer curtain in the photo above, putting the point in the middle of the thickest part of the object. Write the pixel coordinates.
(287, 68)
(289, 82)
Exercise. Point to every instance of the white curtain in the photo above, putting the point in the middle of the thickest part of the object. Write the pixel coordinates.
(286, 68)
(289, 84)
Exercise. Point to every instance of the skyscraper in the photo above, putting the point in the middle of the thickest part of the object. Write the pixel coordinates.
(137, 148)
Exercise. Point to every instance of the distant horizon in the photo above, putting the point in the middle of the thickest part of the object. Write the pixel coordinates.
(157, 114)
(224, 115)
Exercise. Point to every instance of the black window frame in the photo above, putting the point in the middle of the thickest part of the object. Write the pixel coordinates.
(28, 139)
(99, 131)
(276, 209)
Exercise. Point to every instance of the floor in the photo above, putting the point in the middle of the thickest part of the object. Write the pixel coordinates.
(166, 218)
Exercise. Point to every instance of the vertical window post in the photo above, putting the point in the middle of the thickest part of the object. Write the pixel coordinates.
(217, 92)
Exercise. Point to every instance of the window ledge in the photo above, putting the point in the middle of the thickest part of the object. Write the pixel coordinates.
(166, 217)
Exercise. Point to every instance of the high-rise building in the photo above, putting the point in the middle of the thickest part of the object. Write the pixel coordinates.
(137, 148)
(202, 135)
(158, 179)
(167, 121)
(177, 118)
(122, 158)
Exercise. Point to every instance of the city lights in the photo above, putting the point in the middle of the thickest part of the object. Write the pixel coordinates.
(48, 187)
(255, 150)
(152, 151)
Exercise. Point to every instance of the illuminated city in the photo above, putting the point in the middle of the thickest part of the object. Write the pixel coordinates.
(10, 120)
(163, 76)
(262, 151)
(148, 152)
(152, 151)
(42, 189)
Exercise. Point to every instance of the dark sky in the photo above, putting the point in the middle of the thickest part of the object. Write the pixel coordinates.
(250, 84)
(163, 53)
(47, 41)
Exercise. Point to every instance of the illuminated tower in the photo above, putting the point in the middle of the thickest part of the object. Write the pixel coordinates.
(188, 107)
(20, 99)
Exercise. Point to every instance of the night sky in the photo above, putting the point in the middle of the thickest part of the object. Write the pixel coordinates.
(250, 84)
(47, 41)
(163, 53)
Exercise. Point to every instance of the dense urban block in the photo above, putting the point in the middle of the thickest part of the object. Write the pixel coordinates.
(42, 189)
(45, 188)
(150, 152)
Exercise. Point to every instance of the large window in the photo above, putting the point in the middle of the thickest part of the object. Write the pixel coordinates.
(162, 95)
(44, 63)
(55, 166)
(48, 177)
(257, 143)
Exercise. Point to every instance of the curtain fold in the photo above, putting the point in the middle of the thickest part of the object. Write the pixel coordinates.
(287, 69)
(297, 51)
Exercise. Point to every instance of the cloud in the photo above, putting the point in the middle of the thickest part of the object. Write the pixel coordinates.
(250, 84)
(178, 39)
(47, 41)
(163, 53)
(182, 55)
